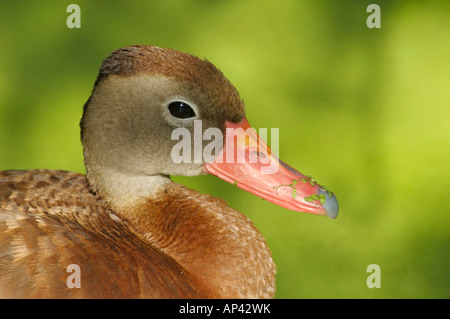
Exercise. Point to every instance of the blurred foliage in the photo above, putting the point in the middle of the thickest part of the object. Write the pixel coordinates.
(364, 111)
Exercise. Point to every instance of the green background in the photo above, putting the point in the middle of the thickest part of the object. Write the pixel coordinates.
(364, 111)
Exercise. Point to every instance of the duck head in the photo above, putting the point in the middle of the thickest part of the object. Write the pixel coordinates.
(144, 93)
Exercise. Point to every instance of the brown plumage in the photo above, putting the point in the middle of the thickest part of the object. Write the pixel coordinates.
(49, 220)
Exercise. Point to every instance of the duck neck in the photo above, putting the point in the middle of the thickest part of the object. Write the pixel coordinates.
(207, 238)
(218, 245)
(123, 190)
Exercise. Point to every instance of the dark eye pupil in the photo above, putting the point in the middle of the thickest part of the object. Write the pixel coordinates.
(181, 110)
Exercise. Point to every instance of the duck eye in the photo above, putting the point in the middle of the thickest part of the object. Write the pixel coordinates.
(181, 110)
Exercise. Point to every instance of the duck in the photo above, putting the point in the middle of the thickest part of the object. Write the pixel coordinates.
(125, 229)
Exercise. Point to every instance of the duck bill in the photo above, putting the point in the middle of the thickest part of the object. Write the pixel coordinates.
(247, 162)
